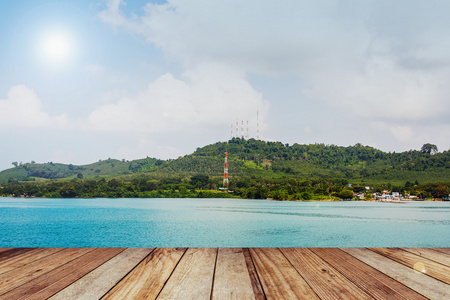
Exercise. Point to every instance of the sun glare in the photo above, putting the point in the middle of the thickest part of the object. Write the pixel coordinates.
(56, 47)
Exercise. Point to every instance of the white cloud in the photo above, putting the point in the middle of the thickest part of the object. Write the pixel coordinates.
(365, 60)
(263, 37)
(400, 132)
(204, 97)
(386, 92)
(22, 108)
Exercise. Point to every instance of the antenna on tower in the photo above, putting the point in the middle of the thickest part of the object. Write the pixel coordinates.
(247, 131)
(257, 125)
(231, 137)
(242, 128)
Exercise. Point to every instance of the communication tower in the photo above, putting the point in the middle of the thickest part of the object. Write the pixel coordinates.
(225, 172)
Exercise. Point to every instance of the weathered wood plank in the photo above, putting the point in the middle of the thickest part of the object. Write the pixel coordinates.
(26, 258)
(372, 281)
(7, 254)
(416, 262)
(421, 283)
(279, 279)
(146, 280)
(51, 282)
(193, 276)
(98, 282)
(443, 250)
(431, 254)
(231, 278)
(5, 249)
(256, 284)
(21, 275)
(323, 279)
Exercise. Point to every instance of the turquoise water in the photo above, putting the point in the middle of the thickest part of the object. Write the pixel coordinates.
(33, 222)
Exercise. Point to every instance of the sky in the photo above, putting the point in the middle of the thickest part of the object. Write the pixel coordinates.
(86, 80)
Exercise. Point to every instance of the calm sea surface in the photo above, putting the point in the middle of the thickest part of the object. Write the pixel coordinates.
(32, 222)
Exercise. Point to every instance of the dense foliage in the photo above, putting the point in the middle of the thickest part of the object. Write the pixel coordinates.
(203, 186)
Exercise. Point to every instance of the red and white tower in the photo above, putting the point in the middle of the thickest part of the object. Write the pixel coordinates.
(225, 172)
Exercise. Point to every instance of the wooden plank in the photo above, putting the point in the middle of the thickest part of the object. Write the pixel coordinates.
(7, 254)
(372, 281)
(431, 254)
(5, 249)
(21, 275)
(421, 283)
(443, 250)
(98, 282)
(147, 279)
(193, 276)
(51, 282)
(323, 279)
(231, 278)
(256, 284)
(26, 258)
(279, 279)
(416, 262)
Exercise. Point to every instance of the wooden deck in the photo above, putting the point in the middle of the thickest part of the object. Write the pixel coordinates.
(224, 273)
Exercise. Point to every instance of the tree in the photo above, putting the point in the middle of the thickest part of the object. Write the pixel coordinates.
(345, 194)
(15, 163)
(199, 180)
(440, 191)
(429, 148)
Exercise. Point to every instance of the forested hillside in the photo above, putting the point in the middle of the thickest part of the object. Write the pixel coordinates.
(256, 169)
(102, 169)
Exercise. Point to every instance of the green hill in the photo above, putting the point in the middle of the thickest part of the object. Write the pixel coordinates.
(257, 170)
(260, 159)
(102, 169)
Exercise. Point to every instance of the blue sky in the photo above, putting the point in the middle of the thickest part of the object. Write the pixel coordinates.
(87, 80)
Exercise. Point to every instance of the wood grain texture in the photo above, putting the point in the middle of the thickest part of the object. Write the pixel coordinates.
(21, 275)
(55, 280)
(98, 282)
(231, 278)
(147, 279)
(193, 276)
(9, 253)
(17, 261)
(256, 284)
(5, 249)
(323, 279)
(416, 262)
(279, 279)
(421, 283)
(225, 273)
(431, 254)
(443, 250)
(372, 281)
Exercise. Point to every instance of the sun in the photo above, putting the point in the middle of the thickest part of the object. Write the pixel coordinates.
(56, 46)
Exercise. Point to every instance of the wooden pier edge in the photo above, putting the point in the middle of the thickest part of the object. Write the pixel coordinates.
(224, 273)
